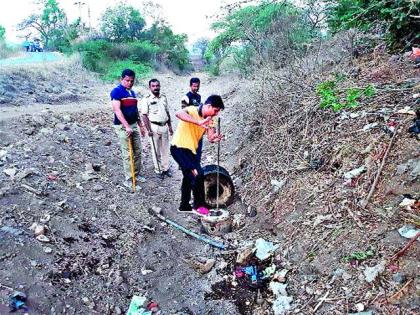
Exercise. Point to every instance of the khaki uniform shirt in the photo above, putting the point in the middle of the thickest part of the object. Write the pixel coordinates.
(155, 108)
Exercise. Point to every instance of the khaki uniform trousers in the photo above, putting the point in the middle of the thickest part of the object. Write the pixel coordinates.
(122, 136)
(161, 141)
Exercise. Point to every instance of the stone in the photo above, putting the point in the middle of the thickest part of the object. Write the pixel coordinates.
(48, 250)
(43, 238)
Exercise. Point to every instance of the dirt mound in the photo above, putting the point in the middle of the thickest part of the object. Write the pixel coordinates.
(309, 172)
(52, 83)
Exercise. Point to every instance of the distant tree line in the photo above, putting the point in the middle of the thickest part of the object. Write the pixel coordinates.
(250, 34)
(122, 40)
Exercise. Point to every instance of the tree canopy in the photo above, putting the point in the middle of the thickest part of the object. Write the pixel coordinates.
(121, 23)
(50, 22)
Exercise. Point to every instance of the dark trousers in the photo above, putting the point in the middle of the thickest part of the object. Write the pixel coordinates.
(188, 162)
(199, 150)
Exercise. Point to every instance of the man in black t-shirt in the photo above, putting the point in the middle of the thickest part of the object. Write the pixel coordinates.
(193, 98)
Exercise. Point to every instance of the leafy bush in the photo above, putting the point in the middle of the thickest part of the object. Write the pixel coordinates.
(94, 54)
(398, 19)
(349, 98)
(143, 51)
(114, 69)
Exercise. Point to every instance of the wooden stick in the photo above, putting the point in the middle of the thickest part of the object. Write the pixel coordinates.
(406, 247)
(400, 290)
(130, 151)
(365, 202)
(321, 300)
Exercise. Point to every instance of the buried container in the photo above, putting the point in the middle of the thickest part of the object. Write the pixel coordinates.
(226, 188)
(218, 222)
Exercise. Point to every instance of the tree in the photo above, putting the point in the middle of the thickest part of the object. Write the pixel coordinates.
(200, 46)
(258, 31)
(2, 33)
(172, 51)
(121, 23)
(49, 23)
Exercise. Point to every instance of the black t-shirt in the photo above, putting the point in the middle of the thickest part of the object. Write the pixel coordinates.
(194, 99)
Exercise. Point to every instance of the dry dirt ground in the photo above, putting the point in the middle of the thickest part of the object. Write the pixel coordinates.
(103, 245)
(60, 167)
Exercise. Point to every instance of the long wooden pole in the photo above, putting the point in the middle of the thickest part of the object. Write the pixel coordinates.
(130, 151)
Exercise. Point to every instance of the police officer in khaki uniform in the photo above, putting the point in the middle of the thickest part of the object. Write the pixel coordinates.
(156, 118)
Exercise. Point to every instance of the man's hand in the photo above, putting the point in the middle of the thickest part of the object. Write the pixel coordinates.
(171, 132)
(205, 122)
(150, 133)
(142, 131)
(129, 131)
(216, 137)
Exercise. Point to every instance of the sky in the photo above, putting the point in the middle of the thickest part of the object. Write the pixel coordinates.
(185, 16)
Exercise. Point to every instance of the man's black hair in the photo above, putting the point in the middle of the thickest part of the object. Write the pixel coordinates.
(215, 101)
(194, 80)
(128, 73)
(153, 80)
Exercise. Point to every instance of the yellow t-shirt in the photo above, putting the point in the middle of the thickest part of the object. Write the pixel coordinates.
(187, 135)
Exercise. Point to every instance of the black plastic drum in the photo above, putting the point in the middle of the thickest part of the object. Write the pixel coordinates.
(226, 188)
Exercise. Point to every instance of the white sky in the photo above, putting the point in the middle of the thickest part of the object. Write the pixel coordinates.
(185, 16)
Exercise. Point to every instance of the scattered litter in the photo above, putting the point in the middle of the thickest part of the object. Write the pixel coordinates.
(140, 305)
(370, 126)
(354, 173)
(264, 249)
(408, 231)
(362, 313)
(372, 272)
(18, 301)
(282, 302)
(407, 202)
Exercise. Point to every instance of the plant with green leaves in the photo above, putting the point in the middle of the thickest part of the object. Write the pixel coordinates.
(398, 19)
(359, 256)
(332, 97)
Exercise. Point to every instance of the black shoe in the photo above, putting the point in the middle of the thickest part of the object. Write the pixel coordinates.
(185, 209)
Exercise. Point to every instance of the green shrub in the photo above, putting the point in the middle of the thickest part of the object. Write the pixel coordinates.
(349, 98)
(397, 19)
(143, 51)
(113, 71)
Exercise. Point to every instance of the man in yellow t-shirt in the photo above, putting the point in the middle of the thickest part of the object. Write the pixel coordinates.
(194, 123)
